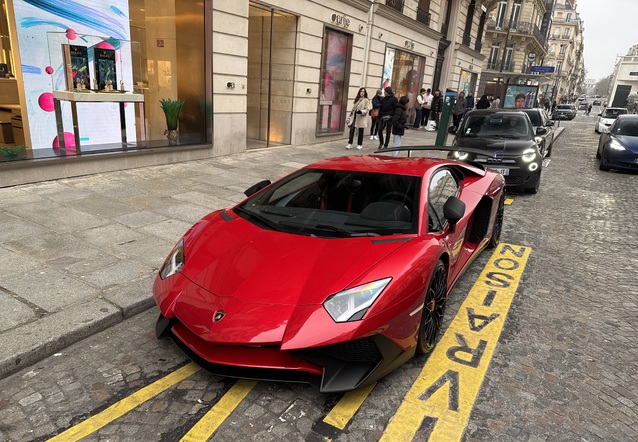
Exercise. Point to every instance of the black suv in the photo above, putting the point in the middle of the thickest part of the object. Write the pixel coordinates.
(564, 112)
(504, 141)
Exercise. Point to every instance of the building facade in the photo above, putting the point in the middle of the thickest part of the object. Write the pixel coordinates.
(624, 83)
(251, 74)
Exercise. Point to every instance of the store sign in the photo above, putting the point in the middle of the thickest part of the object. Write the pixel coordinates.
(531, 57)
(633, 73)
(340, 20)
(409, 44)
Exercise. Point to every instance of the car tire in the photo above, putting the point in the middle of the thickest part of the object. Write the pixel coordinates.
(602, 165)
(534, 190)
(598, 153)
(498, 223)
(549, 150)
(433, 310)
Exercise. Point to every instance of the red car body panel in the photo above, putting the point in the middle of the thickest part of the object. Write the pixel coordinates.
(271, 286)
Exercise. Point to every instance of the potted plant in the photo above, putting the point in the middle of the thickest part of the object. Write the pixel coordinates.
(171, 110)
(11, 152)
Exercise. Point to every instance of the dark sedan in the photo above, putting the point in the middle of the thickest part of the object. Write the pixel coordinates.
(618, 145)
(503, 141)
(564, 112)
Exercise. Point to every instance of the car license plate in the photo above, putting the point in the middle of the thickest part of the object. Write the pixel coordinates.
(501, 171)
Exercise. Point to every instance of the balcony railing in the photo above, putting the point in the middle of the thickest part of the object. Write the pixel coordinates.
(496, 66)
(478, 47)
(466, 39)
(395, 4)
(423, 16)
(518, 28)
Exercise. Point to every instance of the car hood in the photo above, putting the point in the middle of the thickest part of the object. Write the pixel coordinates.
(238, 259)
(258, 278)
(630, 143)
(491, 145)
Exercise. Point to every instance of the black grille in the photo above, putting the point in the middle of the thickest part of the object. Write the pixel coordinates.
(481, 220)
(361, 350)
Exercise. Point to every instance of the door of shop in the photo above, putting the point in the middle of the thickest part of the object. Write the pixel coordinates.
(271, 68)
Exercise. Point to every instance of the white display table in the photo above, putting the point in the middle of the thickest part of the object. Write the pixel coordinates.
(95, 97)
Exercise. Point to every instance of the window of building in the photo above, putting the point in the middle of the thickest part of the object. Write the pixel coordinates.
(335, 69)
(500, 14)
(469, 20)
(516, 14)
(403, 72)
(493, 59)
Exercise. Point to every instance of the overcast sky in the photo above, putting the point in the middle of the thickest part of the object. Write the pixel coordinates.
(611, 28)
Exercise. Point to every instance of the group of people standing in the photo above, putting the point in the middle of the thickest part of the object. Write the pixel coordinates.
(389, 115)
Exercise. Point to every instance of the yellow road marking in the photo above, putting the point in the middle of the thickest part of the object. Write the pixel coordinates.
(208, 424)
(346, 408)
(508, 201)
(125, 405)
(447, 387)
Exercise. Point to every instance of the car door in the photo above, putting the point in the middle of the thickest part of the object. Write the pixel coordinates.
(547, 124)
(443, 185)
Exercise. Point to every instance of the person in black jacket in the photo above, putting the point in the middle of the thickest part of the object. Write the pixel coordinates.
(399, 122)
(437, 107)
(483, 102)
(388, 104)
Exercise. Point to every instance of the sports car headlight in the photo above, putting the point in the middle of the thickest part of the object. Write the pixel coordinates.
(175, 261)
(616, 145)
(460, 155)
(529, 155)
(351, 304)
(539, 140)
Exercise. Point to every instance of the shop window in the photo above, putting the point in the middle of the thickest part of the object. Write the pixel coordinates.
(335, 69)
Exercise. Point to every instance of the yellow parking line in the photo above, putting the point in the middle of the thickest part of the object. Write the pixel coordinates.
(446, 388)
(346, 408)
(508, 201)
(122, 407)
(208, 424)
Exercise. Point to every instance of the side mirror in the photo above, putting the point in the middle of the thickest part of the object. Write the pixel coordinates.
(549, 123)
(600, 115)
(256, 187)
(453, 211)
(541, 131)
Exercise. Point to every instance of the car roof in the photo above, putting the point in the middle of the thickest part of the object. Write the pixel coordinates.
(413, 166)
(624, 117)
(616, 108)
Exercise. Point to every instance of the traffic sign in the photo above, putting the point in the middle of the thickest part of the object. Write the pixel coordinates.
(542, 69)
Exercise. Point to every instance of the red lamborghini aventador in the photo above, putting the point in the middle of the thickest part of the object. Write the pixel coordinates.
(333, 275)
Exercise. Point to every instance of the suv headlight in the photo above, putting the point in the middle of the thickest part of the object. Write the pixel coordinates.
(174, 262)
(351, 304)
(529, 155)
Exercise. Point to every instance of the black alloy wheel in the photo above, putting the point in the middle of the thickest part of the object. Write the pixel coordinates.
(433, 310)
(498, 223)
(534, 190)
(602, 165)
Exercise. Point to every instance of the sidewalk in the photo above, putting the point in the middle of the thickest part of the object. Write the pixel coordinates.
(80, 254)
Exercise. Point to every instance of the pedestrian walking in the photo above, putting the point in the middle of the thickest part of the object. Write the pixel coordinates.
(589, 106)
(437, 107)
(426, 108)
(359, 117)
(374, 115)
(483, 102)
(399, 123)
(418, 110)
(469, 102)
(388, 104)
(496, 103)
(458, 110)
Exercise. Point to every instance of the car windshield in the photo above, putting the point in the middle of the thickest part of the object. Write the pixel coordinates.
(512, 125)
(565, 106)
(337, 203)
(535, 117)
(627, 128)
(613, 113)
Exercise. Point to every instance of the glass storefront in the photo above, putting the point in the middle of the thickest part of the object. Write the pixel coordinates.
(271, 70)
(158, 49)
(335, 67)
(467, 82)
(403, 72)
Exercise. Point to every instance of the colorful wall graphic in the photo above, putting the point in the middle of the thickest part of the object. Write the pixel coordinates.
(43, 26)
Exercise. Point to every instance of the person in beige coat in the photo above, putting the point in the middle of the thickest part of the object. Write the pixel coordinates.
(359, 117)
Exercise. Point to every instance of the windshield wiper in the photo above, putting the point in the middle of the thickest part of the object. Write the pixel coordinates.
(342, 232)
(273, 225)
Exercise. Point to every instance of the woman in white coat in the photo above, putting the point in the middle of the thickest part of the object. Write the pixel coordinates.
(359, 117)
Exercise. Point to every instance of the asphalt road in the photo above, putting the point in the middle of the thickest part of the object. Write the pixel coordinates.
(562, 365)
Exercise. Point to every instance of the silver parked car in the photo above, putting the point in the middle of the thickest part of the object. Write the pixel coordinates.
(607, 118)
